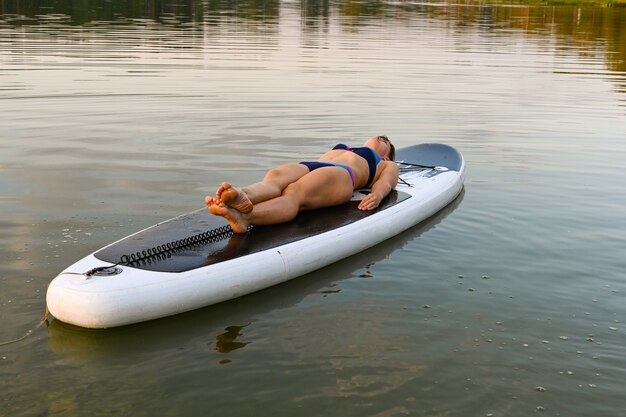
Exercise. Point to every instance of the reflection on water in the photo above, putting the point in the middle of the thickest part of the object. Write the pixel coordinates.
(226, 342)
(576, 25)
(117, 115)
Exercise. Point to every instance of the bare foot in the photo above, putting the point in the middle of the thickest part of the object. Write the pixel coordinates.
(235, 218)
(234, 198)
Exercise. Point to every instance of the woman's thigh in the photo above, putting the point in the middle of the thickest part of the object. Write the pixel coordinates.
(323, 187)
(285, 174)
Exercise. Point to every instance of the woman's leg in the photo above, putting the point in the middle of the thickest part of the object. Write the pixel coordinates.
(272, 186)
(324, 187)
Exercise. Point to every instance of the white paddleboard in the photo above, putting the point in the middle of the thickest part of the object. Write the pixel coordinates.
(195, 260)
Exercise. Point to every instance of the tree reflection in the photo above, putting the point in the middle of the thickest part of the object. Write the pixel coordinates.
(575, 25)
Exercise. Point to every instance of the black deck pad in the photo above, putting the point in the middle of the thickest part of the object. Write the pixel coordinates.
(199, 239)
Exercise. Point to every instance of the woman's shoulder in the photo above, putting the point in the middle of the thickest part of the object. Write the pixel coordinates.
(390, 166)
(389, 163)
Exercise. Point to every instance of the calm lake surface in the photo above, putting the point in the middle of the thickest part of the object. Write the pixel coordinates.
(117, 115)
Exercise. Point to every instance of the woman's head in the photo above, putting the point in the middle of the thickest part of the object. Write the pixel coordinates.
(383, 147)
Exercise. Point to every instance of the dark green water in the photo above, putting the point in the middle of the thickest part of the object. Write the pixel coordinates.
(509, 303)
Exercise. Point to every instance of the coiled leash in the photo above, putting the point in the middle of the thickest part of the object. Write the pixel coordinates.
(161, 252)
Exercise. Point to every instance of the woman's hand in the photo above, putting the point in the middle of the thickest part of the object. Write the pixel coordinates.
(370, 201)
(385, 181)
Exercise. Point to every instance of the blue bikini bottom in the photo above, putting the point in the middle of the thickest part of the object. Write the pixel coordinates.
(315, 165)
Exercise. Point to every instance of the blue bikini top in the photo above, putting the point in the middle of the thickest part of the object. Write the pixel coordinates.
(367, 153)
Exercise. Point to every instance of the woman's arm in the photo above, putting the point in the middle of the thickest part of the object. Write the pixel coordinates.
(382, 186)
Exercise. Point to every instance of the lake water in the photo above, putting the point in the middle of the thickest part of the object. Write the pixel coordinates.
(508, 303)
